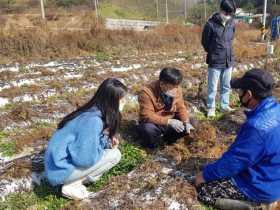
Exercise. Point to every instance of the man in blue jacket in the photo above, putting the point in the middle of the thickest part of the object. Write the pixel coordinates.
(217, 38)
(250, 169)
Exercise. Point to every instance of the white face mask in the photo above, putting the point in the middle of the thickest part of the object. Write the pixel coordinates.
(224, 17)
(170, 93)
(121, 106)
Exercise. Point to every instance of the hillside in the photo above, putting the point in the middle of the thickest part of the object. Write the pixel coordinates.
(141, 10)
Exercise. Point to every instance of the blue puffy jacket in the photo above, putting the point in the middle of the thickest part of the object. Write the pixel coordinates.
(217, 42)
(253, 160)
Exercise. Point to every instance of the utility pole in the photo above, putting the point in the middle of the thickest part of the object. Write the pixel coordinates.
(96, 9)
(185, 9)
(157, 8)
(166, 8)
(264, 20)
(42, 9)
(204, 10)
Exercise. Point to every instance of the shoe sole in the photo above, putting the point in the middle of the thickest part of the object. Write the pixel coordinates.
(72, 198)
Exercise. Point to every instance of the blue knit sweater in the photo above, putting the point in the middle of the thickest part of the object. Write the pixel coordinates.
(80, 143)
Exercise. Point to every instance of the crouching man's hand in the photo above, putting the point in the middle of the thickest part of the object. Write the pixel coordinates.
(199, 179)
(177, 125)
(189, 127)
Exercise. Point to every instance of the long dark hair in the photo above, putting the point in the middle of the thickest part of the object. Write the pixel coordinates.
(106, 99)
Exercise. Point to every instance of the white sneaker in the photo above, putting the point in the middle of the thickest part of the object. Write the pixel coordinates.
(229, 109)
(75, 190)
(211, 113)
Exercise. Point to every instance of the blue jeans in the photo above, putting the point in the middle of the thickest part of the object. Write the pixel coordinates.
(214, 75)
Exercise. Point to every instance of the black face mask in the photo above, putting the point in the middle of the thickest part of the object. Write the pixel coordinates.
(242, 103)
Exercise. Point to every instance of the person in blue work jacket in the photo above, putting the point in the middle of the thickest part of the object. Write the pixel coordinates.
(217, 40)
(250, 169)
(84, 147)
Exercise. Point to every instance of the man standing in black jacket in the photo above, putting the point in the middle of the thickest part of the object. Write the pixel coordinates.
(217, 38)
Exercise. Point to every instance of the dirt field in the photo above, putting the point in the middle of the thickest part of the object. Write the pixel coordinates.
(34, 96)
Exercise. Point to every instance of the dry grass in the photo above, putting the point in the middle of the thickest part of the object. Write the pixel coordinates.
(42, 40)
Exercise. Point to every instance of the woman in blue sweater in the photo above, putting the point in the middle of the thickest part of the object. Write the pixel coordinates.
(83, 147)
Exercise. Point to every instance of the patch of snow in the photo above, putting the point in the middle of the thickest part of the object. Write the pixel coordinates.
(179, 59)
(72, 89)
(132, 99)
(23, 82)
(154, 62)
(130, 174)
(244, 67)
(145, 77)
(158, 191)
(14, 186)
(4, 86)
(101, 72)
(135, 77)
(71, 76)
(50, 93)
(136, 66)
(162, 159)
(176, 206)
(3, 101)
(37, 178)
(188, 84)
(196, 66)
(148, 197)
(3, 158)
(260, 63)
(122, 69)
(15, 68)
(25, 151)
(234, 70)
(198, 57)
(14, 126)
(157, 72)
(89, 86)
(23, 98)
(166, 170)
(114, 203)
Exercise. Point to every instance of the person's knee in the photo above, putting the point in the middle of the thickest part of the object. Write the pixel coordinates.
(116, 156)
(148, 128)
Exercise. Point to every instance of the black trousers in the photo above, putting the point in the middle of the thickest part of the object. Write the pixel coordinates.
(150, 134)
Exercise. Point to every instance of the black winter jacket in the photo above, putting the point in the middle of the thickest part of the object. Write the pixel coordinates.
(217, 42)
